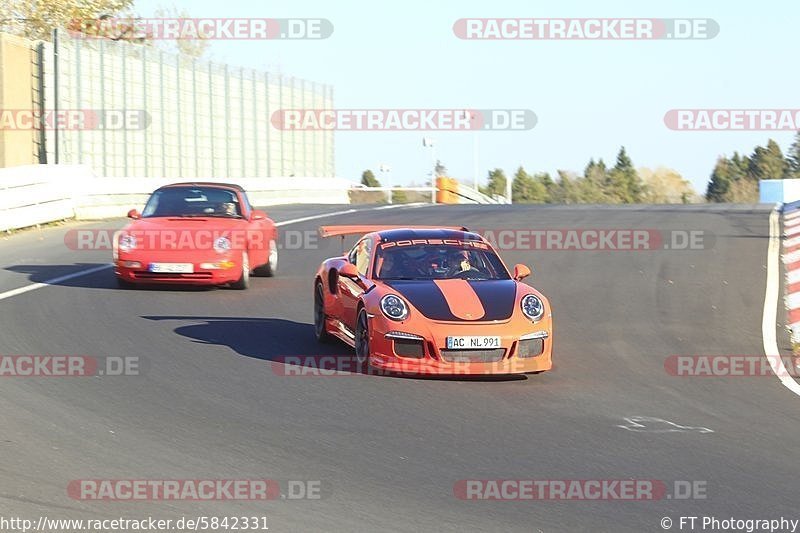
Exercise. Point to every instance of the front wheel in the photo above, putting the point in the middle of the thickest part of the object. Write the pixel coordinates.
(362, 341)
(244, 281)
(320, 332)
(271, 267)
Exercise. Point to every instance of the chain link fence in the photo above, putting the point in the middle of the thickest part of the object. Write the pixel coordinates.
(205, 120)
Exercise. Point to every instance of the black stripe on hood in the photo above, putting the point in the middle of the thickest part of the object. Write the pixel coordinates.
(496, 296)
(426, 297)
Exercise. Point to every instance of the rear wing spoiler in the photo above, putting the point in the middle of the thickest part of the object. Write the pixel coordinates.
(336, 231)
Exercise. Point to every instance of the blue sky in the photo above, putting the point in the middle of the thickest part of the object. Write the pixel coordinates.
(590, 97)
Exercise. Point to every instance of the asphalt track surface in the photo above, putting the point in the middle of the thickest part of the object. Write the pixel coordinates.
(211, 402)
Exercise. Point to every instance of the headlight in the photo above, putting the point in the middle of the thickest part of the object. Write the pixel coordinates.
(222, 245)
(532, 307)
(127, 243)
(394, 307)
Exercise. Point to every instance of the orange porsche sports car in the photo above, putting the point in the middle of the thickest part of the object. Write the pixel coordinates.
(431, 301)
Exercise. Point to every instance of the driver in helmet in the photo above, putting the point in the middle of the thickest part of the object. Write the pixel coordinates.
(459, 262)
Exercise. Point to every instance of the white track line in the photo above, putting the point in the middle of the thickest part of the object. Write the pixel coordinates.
(769, 317)
(55, 281)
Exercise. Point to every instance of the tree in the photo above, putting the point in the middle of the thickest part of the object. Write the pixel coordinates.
(665, 186)
(36, 20)
(623, 184)
(190, 47)
(527, 189)
(497, 183)
(793, 158)
(720, 183)
(368, 179)
(439, 169)
(768, 163)
(596, 173)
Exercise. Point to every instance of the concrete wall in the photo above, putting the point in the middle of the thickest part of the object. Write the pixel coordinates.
(17, 86)
(37, 194)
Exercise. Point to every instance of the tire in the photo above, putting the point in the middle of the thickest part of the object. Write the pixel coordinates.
(244, 281)
(271, 267)
(320, 332)
(362, 341)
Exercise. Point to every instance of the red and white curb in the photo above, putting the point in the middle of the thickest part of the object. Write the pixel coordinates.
(791, 262)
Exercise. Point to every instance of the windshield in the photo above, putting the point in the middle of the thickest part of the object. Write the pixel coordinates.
(473, 261)
(193, 202)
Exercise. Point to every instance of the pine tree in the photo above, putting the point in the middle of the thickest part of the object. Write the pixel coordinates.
(623, 182)
(526, 189)
(368, 179)
(793, 158)
(768, 163)
(720, 184)
(497, 183)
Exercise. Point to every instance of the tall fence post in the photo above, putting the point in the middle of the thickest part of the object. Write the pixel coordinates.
(146, 147)
(211, 132)
(268, 134)
(55, 94)
(162, 109)
(256, 122)
(194, 113)
(178, 115)
(78, 96)
(227, 101)
(241, 117)
(103, 102)
(124, 106)
(40, 103)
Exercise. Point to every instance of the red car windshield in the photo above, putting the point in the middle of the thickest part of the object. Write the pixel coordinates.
(430, 262)
(193, 202)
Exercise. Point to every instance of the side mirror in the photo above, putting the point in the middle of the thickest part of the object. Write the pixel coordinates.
(521, 272)
(134, 214)
(258, 215)
(348, 270)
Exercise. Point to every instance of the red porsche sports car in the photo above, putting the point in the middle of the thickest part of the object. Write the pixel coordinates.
(431, 300)
(196, 233)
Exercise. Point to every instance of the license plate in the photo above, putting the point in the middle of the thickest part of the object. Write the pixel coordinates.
(472, 343)
(172, 268)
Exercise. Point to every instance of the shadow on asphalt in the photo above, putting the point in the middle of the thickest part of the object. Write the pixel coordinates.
(290, 346)
(103, 279)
